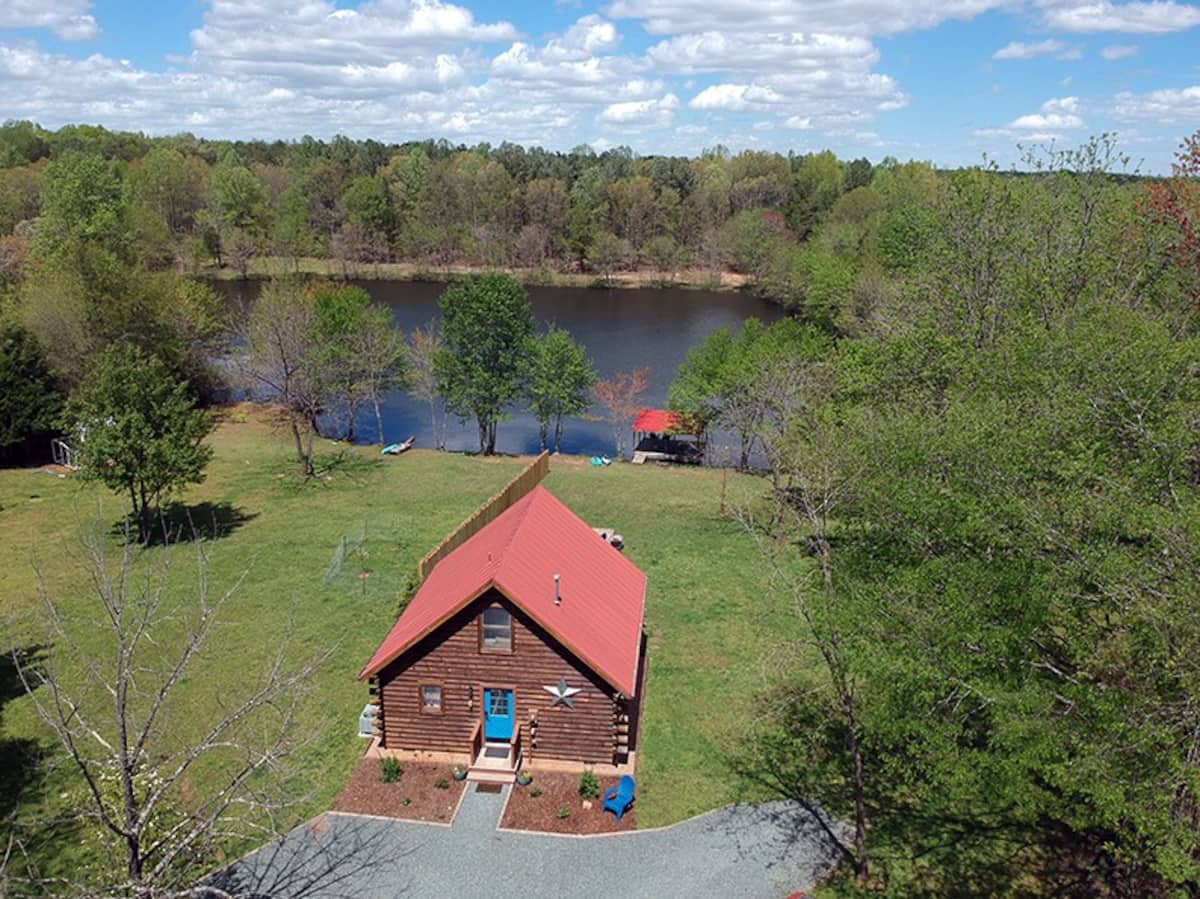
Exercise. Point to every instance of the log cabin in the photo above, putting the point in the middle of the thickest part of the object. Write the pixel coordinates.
(522, 647)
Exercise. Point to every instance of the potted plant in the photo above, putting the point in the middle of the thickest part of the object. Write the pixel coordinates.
(460, 773)
(524, 778)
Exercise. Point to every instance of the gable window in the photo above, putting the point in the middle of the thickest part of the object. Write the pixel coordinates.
(431, 699)
(495, 630)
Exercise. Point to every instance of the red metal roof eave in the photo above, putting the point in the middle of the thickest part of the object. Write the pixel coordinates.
(629, 689)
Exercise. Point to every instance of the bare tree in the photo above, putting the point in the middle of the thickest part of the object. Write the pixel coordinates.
(280, 346)
(163, 789)
(618, 396)
(423, 346)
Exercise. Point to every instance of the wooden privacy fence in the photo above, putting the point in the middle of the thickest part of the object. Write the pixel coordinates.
(488, 512)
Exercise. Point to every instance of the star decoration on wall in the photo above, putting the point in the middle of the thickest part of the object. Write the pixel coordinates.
(562, 693)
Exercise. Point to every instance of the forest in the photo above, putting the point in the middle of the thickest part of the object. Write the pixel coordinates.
(981, 427)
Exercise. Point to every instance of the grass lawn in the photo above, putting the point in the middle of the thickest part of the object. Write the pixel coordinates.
(712, 622)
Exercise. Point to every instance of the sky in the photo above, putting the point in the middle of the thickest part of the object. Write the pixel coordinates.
(948, 81)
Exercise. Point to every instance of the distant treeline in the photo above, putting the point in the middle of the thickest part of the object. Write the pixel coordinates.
(189, 204)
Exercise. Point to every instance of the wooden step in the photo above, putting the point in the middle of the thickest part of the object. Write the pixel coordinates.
(491, 775)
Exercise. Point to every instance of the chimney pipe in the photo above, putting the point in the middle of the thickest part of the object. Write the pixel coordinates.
(557, 593)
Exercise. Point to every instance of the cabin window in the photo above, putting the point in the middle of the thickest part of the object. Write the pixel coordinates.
(496, 630)
(431, 699)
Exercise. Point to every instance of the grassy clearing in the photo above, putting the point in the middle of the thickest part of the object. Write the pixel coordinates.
(712, 622)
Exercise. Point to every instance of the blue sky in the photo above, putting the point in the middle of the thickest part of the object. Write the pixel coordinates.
(942, 80)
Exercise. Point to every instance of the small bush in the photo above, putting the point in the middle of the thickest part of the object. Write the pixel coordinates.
(405, 801)
(535, 792)
(589, 787)
(564, 812)
(389, 770)
(442, 784)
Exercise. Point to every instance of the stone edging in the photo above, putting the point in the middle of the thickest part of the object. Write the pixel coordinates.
(592, 836)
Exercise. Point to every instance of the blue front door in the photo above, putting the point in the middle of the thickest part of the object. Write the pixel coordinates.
(497, 714)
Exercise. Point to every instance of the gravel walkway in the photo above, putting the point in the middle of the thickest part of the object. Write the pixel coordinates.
(767, 850)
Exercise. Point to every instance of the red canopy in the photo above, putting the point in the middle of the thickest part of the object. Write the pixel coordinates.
(664, 421)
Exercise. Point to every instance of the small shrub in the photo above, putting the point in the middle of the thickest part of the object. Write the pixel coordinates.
(389, 770)
(442, 784)
(405, 801)
(535, 792)
(564, 812)
(589, 787)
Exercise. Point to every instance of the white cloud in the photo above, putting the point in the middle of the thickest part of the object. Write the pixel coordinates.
(1052, 118)
(735, 97)
(1139, 17)
(1018, 50)
(641, 112)
(863, 17)
(1118, 51)
(1167, 107)
(715, 51)
(69, 19)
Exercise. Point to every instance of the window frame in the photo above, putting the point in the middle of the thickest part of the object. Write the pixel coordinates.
(430, 710)
(496, 650)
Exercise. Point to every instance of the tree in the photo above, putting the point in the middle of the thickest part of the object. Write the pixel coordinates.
(369, 204)
(138, 429)
(559, 382)
(424, 345)
(116, 709)
(487, 324)
(815, 188)
(340, 314)
(30, 400)
(608, 253)
(280, 342)
(382, 360)
(83, 224)
(618, 396)
(1176, 202)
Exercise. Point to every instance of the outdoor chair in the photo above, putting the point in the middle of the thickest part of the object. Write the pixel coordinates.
(617, 799)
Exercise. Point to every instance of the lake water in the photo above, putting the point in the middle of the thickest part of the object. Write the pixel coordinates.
(622, 330)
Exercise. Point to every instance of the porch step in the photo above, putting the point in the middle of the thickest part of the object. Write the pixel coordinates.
(491, 775)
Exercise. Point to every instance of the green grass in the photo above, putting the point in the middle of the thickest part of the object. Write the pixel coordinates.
(712, 622)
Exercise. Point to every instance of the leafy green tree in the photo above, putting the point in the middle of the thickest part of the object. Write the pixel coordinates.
(83, 226)
(608, 253)
(30, 400)
(356, 356)
(815, 188)
(486, 327)
(369, 204)
(559, 382)
(139, 431)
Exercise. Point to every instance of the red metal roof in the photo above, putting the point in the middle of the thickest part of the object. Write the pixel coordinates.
(657, 421)
(603, 593)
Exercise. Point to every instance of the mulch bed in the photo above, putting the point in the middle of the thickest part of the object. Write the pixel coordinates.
(528, 812)
(365, 794)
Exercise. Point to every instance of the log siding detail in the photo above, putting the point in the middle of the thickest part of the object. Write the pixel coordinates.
(451, 657)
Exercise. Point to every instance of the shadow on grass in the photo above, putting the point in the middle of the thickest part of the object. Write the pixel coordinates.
(20, 758)
(345, 463)
(184, 523)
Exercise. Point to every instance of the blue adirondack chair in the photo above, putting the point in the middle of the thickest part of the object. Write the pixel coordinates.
(618, 799)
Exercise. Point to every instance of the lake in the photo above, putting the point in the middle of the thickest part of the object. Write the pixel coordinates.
(622, 329)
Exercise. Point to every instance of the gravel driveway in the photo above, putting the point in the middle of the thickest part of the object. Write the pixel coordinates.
(766, 850)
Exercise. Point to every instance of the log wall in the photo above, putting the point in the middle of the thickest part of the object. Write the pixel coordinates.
(450, 657)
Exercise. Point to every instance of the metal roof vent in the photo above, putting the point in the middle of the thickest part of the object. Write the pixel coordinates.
(557, 592)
